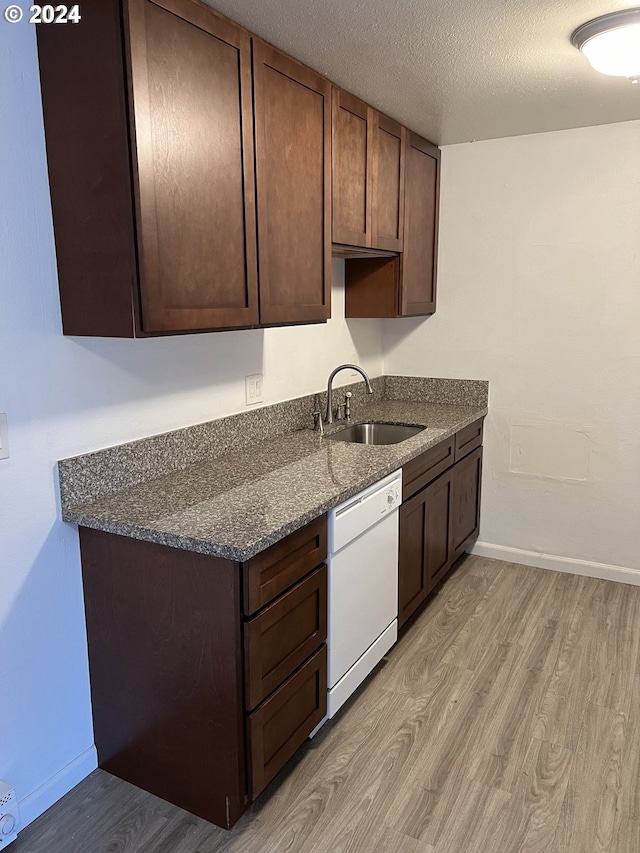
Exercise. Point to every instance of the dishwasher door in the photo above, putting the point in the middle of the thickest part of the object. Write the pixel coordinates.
(363, 585)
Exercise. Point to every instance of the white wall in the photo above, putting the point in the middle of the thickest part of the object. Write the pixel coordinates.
(539, 292)
(66, 396)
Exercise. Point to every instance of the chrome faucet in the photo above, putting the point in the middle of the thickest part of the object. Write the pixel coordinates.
(329, 418)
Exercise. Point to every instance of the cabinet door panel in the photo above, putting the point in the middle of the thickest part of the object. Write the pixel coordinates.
(438, 556)
(465, 508)
(425, 551)
(388, 194)
(193, 126)
(412, 581)
(292, 105)
(418, 263)
(351, 169)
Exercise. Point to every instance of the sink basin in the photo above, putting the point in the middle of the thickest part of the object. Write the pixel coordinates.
(376, 433)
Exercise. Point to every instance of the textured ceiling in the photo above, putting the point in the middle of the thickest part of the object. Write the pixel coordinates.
(454, 70)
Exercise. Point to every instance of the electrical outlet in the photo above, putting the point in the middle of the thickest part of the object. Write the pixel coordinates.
(4, 436)
(253, 389)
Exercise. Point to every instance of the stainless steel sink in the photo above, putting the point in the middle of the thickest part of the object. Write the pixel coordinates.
(376, 433)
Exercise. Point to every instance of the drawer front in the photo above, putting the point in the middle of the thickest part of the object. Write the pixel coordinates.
(283, 635)
(282, 723)
(468, 439)
(425, 468)
(272, 571)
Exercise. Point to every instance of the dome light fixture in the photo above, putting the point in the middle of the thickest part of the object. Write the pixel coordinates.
(611, 43)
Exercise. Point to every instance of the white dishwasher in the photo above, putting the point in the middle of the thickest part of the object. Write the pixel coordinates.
(363, 585)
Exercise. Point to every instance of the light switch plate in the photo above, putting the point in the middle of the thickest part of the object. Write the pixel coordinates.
(4, 436)
(253, 389)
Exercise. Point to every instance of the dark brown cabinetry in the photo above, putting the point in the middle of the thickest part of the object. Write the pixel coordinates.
(368, 155)
(150, 157)
(440, 514)
(418, 261)
(465, 501)
(425, 551)
(404, 285)
(206, 674)
(149, 124)
(387, 215)
(293, 139)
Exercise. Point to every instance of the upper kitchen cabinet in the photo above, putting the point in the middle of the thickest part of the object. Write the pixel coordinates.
(404, 285)
(388, 183)
(368, 156)
(149, 133)
(351, 169)
(293, 139)
(418, 261)
(153, 142)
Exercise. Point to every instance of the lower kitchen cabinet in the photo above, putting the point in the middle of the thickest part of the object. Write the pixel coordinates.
(465, 501)
(206, 674)
(439, 517)
(424, 544)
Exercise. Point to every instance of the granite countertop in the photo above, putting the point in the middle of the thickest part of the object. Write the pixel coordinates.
(239, 503)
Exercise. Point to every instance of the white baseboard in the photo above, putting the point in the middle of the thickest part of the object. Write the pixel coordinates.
(558, 564)
(44, 796)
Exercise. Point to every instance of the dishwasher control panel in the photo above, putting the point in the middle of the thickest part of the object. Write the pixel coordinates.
(359, 513)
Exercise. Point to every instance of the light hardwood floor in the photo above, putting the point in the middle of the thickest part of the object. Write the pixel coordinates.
(507, 719)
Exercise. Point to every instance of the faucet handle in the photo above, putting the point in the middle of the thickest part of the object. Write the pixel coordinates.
(318, 426)
(347, 405)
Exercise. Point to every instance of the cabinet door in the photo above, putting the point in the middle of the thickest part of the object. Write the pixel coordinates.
(412, 581)
(418, 260)
(388, 184)
(424, 544)
(465, 501)
(439, 556)
(192, 113)
(292, 110)
(351, 169)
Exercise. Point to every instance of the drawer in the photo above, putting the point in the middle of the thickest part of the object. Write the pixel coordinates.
(426, 467)
(468, 439)
(283, 635)
(272, 571)
(283, 722)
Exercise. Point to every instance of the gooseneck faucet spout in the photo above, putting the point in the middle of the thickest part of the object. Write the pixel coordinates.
(329, 417)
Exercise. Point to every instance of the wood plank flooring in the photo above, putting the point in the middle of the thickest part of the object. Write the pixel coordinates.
(507, 720)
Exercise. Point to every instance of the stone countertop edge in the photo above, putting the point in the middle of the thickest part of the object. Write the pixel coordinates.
(95, 515)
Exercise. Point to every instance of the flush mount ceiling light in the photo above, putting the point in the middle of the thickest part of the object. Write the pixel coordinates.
(611, 43)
